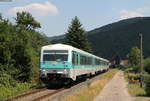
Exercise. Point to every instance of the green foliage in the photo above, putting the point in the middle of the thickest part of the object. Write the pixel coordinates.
(6, 80)
(20, 46)
(5, 91)
(147, 65)
(134, 56)
(25, 20)
(147, 84)
(76, 36)
(133, 69)
(134, 84)
(134, 76)
(135, 90)
(134, 60)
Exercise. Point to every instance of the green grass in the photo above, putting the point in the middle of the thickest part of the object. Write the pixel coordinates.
(135, 90)
(6, 92)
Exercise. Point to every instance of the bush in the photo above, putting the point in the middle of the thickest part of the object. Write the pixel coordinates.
(128, 69)
(147, 65)
(6, 92)
(133, 78)
(6, 80)
(147, 84)
(133, 69)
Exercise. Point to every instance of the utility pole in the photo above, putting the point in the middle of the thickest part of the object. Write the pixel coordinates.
(141, 60)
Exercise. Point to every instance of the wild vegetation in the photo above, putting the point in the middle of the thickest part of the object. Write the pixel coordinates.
(133, 74)
(19, 53)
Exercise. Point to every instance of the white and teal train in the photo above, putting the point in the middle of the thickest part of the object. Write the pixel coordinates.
(60, 63)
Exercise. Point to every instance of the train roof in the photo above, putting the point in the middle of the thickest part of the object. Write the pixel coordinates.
(68, 47)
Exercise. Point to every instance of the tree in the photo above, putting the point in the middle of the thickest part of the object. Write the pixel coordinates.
(28, 46)
(134, 56)
(134, 59)
(25, 20)
(76, 36)
(147, 65)
(19, 48)
(147, 85)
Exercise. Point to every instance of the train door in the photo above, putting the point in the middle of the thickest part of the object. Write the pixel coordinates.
(75, 61)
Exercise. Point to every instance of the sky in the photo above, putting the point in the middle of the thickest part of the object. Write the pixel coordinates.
(55, 15)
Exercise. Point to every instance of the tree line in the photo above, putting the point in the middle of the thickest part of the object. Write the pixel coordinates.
(20, 45)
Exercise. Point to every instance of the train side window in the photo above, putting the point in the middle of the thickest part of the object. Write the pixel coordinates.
(73, 58)
(100, 62)
(77, 59)
(82, 60)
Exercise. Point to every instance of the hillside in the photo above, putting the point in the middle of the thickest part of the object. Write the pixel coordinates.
(118, 38)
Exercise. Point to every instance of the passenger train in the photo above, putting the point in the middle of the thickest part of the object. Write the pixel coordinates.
(60, 63)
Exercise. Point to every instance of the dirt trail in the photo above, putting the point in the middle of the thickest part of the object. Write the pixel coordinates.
(115, 90)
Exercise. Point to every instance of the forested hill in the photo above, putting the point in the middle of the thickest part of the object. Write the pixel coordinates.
(118, 38)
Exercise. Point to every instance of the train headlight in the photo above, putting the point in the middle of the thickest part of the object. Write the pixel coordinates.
(43, 70)
(65, 71)
(43, 73)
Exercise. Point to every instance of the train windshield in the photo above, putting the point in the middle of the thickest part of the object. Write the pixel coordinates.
(55, 55)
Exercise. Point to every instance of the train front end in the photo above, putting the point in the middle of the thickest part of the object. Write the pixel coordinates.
(55, 65)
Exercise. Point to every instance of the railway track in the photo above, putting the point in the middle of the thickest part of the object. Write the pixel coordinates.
(24, 95)
(48, 95)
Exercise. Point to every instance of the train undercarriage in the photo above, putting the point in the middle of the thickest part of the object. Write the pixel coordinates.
(57, 80)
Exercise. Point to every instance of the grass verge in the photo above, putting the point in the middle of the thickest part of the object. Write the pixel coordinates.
(8, 91)
(90, 92)
(134, 89)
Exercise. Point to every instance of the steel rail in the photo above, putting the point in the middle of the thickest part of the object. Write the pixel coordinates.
(25, 94)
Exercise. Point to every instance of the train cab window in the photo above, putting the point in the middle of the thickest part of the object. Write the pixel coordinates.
(55, 55)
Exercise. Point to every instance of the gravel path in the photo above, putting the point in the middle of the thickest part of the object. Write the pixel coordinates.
(115, 90)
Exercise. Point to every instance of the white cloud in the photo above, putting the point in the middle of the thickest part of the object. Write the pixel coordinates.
(124, 14)
(36, 9)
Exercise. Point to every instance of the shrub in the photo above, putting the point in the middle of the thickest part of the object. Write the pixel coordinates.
(147, 84)
(147, 65)
(128, 69)
(133, 69)
(6, 80)
(6, 92)
(134, 78)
